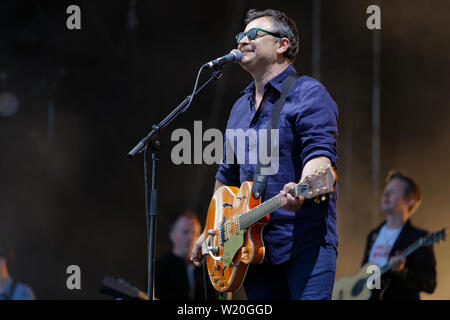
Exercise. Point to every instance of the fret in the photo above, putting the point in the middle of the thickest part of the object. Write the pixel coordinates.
(269, 206)
(405, 253)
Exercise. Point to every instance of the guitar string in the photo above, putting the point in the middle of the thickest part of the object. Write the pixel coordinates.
(413, 247)
(247, 219)
(257, 213)
(253, 215)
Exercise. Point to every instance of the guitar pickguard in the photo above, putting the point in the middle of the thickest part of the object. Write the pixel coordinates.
(231, 246)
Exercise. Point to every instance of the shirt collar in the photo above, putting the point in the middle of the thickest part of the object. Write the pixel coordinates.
(276, 82)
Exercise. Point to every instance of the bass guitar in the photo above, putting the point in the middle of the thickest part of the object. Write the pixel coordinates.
(235, 223)
(356, 287)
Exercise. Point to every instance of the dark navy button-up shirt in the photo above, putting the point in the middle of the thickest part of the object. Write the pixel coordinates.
(307, 129)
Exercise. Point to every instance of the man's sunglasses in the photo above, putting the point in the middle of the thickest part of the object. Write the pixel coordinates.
(252, 34)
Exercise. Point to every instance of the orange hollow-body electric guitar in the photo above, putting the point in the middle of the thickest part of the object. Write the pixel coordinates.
(235, 223)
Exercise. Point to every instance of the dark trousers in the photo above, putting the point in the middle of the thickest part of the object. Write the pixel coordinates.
(307, 276)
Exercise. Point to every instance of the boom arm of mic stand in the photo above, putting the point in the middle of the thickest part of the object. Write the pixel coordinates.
(181, 108)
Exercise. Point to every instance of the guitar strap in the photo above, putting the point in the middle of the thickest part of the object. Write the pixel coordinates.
(260, 180)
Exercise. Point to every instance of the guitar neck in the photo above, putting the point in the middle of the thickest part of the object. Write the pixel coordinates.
(259, 212)
(413, 247)
(251, 217)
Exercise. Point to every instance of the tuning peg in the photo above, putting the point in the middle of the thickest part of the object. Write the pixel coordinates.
(316, 200)
(324, 198)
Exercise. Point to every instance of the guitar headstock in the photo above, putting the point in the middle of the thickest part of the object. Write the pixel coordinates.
(431, 238)
(320, 183)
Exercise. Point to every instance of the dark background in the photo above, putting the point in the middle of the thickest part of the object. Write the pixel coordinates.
(68, 193)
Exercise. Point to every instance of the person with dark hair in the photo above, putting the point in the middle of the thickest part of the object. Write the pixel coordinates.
(9, 288)
(175, 278)
(301, 237)
(407, 276)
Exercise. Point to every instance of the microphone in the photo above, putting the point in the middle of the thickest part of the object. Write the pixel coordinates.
(234, 56)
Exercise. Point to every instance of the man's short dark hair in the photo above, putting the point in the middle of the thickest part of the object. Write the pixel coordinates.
(282, 24)
(411, 191)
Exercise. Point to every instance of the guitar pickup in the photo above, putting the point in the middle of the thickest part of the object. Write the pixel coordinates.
(221, 232)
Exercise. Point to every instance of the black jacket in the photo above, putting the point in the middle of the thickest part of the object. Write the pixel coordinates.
(171, 280)
(420, 267)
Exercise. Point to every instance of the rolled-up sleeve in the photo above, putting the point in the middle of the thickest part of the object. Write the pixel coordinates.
(316, 125)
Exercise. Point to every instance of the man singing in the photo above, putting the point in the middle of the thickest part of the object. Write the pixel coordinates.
(301, 237)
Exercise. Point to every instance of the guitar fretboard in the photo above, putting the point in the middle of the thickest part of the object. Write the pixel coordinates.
(249, 218)
(416, 245)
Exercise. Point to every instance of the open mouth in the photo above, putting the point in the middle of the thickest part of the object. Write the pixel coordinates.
(246, 51)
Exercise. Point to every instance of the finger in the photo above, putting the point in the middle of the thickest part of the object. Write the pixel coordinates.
(288, 186)
(291, 199)
(283, 201)
(301, 199)
(196, 263)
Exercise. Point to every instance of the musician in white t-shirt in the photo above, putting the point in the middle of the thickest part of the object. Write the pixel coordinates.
(407, 277)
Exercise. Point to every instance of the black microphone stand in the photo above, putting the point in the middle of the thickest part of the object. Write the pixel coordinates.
(151, 140)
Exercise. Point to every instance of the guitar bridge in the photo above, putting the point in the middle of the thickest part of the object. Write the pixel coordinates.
(209, 248)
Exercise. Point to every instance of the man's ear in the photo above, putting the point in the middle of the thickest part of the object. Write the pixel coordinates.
(410, 202)
(284, 44)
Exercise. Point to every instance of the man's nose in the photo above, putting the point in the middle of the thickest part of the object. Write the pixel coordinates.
(243, 42)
